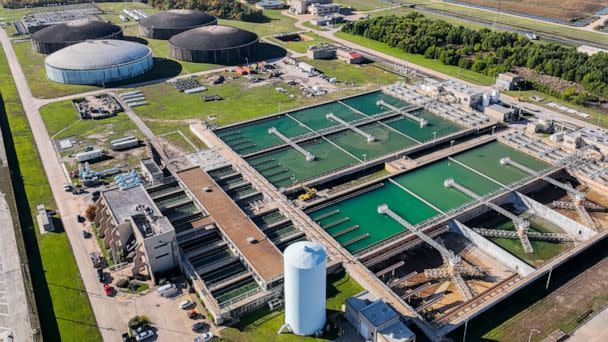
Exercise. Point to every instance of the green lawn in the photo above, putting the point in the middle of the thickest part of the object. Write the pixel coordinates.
(243, 101)
(63, 308)
(309, 39)
(277, 23)
(62, 121)
(169, 132)
(450, 70)
(536, 26)
(362, 74)
(33, 63)
(262, 325)
(597, 117)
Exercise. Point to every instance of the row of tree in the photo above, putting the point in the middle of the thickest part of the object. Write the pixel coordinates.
(484, 51)
(224, 9)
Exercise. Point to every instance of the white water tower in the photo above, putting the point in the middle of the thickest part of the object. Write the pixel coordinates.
(305, 278)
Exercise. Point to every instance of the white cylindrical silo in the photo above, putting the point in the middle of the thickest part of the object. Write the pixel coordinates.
(305, 278)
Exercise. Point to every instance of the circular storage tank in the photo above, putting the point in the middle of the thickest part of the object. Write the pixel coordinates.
(98, 62)
(215, 44)
(56, 37)
(165, 25)
(305, 278)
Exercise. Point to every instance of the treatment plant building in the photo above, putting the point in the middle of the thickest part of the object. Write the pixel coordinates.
(98, 62)
(215, 44)
(56, 37)
(164, 25)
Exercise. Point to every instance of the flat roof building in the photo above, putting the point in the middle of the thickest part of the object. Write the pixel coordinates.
(508, 81)
(375, 320)
(133, 229)
(323, 10)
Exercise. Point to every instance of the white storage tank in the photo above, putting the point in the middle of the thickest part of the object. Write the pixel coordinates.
(305, 278)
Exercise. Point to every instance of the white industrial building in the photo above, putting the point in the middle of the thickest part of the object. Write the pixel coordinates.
(98, 62)
(303, 6)
(323, 10)
(375, 321)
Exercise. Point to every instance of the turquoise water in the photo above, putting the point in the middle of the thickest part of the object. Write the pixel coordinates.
(286, 167)
(427, 183)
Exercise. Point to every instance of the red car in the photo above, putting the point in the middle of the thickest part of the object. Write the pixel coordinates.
(109, 289)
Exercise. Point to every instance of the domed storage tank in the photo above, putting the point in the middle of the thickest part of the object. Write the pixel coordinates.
(98, 62)
(56, 37)
(305, 278)
(215, 44)
(165, 25)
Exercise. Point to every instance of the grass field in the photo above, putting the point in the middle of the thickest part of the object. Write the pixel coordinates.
(359, 74)
(277, 23)
(33, 63)
(243, 101)
(169, 132)
(539, 27)
(597, 117)
(262, 325)
(557, 10)
(63, 307)
(450, 70)
(309, 38)
(62, 121)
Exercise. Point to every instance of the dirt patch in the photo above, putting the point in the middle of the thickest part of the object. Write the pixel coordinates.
(565, 10)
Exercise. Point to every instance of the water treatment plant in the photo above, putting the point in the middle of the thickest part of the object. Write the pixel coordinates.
(240, 172)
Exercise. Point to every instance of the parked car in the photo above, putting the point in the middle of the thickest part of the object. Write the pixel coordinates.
(186, 304)
(86, 234)
(108, 289)
(101, 275)
(141, 328)
(144, 335)
(206, 337)
(80, 218)
(167, 290)
(199, 326)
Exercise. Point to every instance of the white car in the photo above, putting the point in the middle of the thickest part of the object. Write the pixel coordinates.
(204, 337)
(144, 335)
(186, 304)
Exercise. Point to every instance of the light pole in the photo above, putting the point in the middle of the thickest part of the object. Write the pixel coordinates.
(532, 331)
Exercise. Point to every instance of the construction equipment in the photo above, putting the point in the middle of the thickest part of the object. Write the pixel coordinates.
(308, 193)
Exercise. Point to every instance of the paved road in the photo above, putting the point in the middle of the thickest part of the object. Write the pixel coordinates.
(596, 330)
(14, 312)
(68, 205)
(136, 120)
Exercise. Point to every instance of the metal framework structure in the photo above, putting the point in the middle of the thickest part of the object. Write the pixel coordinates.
(308, 155)
(369, 137)
(521, 225)
(421, 121)
(577, 198)
(453, 268)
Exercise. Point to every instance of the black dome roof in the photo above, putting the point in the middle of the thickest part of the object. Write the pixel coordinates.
(216, 37)
(76, 31)
(179, 18)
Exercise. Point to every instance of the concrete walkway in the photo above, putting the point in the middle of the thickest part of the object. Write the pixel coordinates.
(14, 312)
(596, 330)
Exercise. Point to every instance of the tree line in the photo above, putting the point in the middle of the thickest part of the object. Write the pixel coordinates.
(484, 51)
(224, 9)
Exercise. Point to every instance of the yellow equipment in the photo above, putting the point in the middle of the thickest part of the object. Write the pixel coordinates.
(308, 194)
